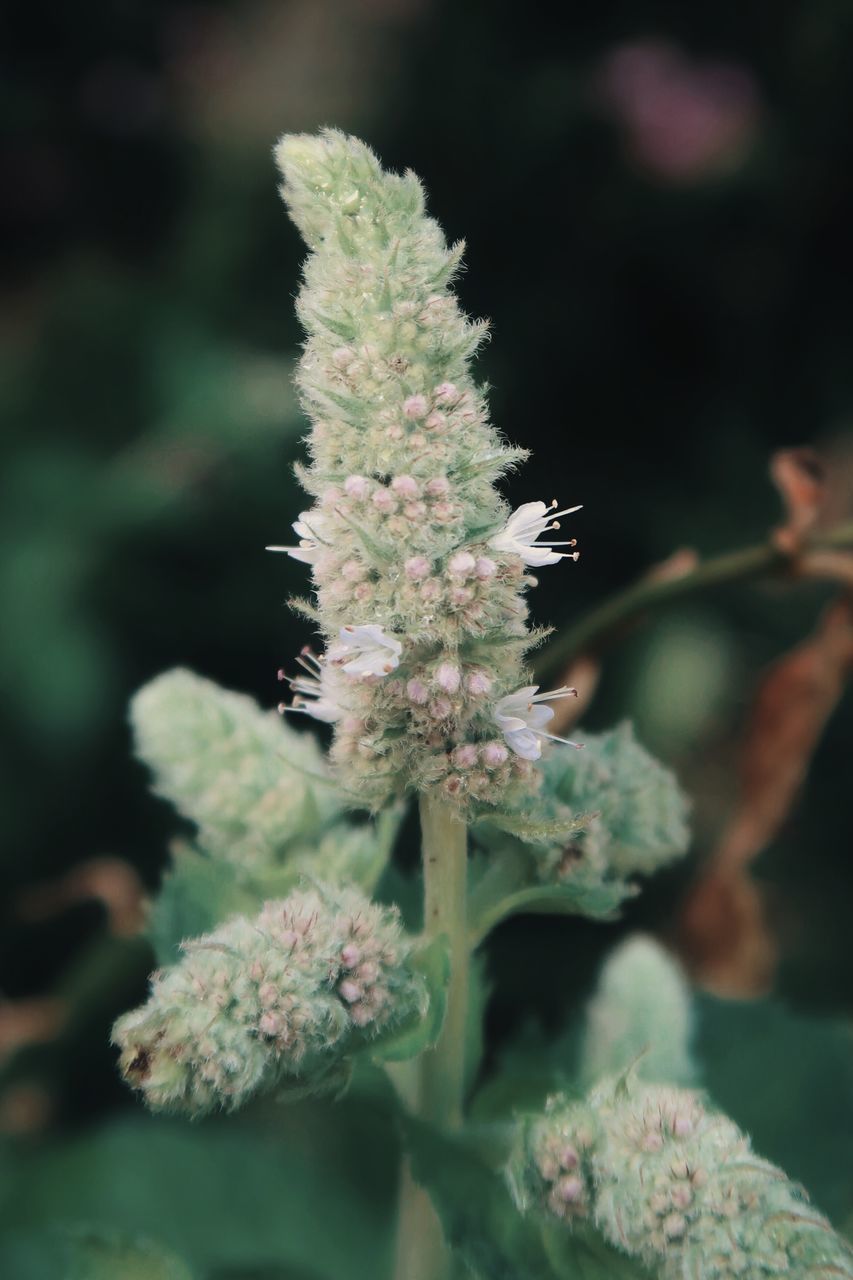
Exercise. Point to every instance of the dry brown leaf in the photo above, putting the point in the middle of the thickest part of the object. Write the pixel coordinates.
(724, 932)
(109, 880)
(800, 477)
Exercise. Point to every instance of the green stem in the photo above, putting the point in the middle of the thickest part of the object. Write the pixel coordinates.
(445, 864)
(735, 566)
(439, 1094)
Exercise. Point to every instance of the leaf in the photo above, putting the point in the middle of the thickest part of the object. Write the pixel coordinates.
(480, 1222)
(536, 830)
(500, 887)
(787, 1080)
(88, 1254)
(199, 892)
(296, 1190)
(485, 1229)
(432, 962)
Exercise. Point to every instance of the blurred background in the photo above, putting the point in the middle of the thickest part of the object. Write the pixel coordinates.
(657, 200)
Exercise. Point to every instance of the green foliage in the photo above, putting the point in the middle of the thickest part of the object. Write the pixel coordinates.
(252, 785)
(486, 1230)
(600, 816)
(79, 1254)
(420, 1031)
(229, 1197)
(787, 1079)
(640, 1015)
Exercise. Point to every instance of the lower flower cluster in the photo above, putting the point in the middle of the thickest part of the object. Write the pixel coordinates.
(674, 1184)
(288, 994)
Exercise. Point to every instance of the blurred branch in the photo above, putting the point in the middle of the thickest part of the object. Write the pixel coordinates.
(767, 559)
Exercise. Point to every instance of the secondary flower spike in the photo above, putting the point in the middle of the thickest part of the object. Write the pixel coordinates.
(418, 565)
(287, 994)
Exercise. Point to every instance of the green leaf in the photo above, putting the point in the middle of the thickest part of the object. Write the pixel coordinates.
(432, 962)
(481, 1224)
(308, 1188)
(501, 885)
(788, 1081)
(485, 1229)
(82, 1253)
(198, 892)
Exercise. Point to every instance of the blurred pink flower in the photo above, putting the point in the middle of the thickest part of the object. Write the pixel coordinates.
(684, 120)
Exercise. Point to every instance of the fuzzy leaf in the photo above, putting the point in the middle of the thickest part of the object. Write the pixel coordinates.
(432, 962)
(501, 885)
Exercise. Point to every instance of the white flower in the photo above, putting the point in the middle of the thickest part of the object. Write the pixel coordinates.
(314, 693)
(310, 538)
(366, 651)
(523, 528)
(521, 718)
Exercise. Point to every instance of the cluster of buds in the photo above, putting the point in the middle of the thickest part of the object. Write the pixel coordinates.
(288, 995)
(419, 568)
(673, 1184)
(251, 785)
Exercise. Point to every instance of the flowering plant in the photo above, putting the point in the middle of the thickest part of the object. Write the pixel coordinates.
(287, 966)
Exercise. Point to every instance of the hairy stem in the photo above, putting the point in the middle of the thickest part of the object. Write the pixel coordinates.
(734, 566)
(421, 1251)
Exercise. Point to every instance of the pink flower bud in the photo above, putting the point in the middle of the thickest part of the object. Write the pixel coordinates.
(350, 955)
(383, 501)
(438, 486)
(461, 595)
(417, 692)
(415, 407)
(435, 422)
(270, 1024)
(461, 565)
(356, 486)
(569, 1190)
(268, 995)
(448, 677)
(417, 567)
(494, 755)
(406, 486)
(485, 568)
(350, 991)
(341, 356)
(446, 393)
(441, 709)
(465, 756)
(443, 512)
(478, 683)
(431, 590)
